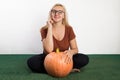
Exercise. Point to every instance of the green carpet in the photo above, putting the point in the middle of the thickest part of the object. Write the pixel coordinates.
(100, 67)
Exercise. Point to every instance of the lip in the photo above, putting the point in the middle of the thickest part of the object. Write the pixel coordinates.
(56, 17)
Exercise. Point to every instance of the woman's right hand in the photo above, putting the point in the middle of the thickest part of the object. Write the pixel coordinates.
(49, 22)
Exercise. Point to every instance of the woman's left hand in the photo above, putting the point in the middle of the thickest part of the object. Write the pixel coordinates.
(68, 56)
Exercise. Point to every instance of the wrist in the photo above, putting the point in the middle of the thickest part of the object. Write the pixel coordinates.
(72, 52)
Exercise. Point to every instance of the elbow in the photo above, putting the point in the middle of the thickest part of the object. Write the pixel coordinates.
(49, 50)
(48, 47)
(77, 50)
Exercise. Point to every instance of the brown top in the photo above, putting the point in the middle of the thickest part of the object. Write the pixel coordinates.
(63, 44)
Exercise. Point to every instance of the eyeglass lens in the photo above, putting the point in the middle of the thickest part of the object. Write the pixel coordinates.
(57, 11)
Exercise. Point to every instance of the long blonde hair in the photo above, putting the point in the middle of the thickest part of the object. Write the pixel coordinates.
(65, 20)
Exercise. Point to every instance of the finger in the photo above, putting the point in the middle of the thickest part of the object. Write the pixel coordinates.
(67, 59)
(51, 21)
(65, 51)
(64, 58)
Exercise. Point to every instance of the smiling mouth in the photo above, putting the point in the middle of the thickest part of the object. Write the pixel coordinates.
(56, 17)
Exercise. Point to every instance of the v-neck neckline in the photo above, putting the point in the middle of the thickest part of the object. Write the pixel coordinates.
(62, 38)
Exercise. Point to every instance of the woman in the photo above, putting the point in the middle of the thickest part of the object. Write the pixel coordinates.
(57, 33)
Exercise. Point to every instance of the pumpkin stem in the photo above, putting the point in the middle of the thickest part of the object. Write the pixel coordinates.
(57, 50)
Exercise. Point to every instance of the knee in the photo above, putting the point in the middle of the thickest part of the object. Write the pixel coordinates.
(80, 60)
(29, 63)
(86, 59)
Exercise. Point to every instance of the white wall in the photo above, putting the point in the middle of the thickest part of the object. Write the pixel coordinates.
(95, 22)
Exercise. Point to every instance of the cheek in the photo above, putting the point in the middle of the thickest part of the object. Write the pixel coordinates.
(52, 16)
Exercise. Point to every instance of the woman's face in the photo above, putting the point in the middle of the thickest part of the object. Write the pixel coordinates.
(57, 14)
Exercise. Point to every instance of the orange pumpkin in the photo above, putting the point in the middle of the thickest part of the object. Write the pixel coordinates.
(56, 66)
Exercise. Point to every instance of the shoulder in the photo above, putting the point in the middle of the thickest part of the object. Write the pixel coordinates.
(70, 33)
(44, 28)
(69, 28)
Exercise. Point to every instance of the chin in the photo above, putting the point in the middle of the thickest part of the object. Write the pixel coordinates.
(57, 21)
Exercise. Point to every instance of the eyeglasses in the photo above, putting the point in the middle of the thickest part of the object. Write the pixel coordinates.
(57, 11)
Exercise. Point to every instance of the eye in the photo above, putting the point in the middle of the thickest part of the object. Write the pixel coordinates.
(60, 11)
(53, 11)
(57, 11)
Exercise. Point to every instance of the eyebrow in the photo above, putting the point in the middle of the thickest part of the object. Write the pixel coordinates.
(57, 10)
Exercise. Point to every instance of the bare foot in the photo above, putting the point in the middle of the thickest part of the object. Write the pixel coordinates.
(75, 70)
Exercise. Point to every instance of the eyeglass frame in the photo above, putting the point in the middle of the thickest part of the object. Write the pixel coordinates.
(57, 11)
